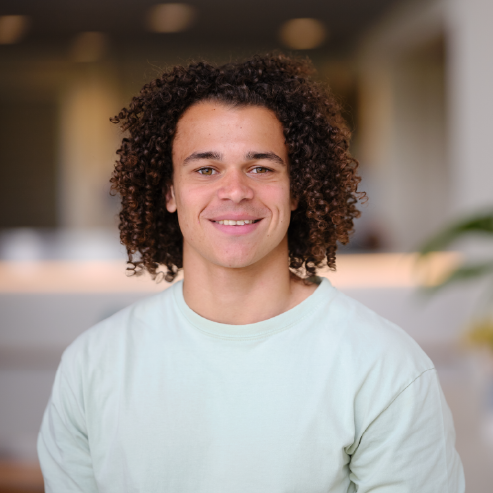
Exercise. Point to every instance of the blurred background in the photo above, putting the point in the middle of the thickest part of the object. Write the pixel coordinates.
(415, 80)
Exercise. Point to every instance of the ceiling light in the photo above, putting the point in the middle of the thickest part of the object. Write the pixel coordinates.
(170, 17)
(303, 34)
(89, 47)
(13, 28)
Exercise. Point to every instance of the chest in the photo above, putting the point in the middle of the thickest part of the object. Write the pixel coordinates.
(202, 421)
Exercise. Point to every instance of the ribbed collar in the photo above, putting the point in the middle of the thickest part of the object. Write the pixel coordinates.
(323, 294)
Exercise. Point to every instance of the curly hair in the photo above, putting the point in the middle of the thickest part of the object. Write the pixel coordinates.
(323, 175)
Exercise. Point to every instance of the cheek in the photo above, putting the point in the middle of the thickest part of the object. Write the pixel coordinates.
(191, 201)
(277, 198)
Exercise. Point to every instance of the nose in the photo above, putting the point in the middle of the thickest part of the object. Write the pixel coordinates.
(234, 186)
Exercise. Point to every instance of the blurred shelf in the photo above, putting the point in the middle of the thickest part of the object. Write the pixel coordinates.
(108, 276)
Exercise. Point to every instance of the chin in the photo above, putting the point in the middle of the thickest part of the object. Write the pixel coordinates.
(234, 260)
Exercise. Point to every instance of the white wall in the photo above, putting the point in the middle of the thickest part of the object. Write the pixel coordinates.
(426, 115)
(470, 102)
(403, 122)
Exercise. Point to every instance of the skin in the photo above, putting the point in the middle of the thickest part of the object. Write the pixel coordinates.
(232, 163)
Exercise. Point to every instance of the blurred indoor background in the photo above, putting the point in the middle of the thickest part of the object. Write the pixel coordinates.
(415, 79)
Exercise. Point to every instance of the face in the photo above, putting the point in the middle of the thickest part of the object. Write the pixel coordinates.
(231, 185)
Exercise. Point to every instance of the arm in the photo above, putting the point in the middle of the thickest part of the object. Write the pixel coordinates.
(409, 447)
(63, 447)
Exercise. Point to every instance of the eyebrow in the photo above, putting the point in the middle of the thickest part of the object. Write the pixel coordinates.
(209, 155)
(268, 156)
(251, 156)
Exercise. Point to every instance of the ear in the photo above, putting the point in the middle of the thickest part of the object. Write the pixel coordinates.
(294, 203)
(170, 199)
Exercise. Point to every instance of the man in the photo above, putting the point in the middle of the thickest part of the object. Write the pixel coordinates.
(251, 375)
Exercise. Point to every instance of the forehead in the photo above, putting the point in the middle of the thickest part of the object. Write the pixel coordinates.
(206, 125)
(219, 111)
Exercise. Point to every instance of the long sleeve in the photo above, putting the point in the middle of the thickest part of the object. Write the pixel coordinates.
(409, 447)
(63, 447)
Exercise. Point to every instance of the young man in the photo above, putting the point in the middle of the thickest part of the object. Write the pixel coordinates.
(251, 375)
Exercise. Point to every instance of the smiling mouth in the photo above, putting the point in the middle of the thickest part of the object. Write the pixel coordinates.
(230, 222)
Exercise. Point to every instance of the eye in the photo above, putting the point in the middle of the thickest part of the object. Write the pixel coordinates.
(260, 170)
(207, 171)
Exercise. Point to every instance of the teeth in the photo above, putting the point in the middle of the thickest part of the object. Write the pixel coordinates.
(229, 222)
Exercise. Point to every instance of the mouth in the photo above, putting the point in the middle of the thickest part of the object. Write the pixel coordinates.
(232, 222)
(236, 227)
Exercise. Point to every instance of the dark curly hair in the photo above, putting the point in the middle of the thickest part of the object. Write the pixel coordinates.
(323, 175)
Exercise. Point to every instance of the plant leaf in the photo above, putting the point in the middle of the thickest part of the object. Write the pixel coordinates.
(463, 273)
(482, 223)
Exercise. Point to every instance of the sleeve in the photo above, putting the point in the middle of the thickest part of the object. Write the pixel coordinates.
(63, 447)
(410, 446)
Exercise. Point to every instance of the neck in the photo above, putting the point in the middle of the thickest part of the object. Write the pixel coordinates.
(240, 296)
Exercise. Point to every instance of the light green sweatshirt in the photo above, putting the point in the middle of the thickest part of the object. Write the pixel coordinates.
(327, 397)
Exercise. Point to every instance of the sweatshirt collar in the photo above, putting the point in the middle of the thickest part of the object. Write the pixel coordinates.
(323, 294)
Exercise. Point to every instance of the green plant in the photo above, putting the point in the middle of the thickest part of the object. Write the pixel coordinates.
(481, 328)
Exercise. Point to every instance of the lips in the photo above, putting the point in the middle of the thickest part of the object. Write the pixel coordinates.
(241, 222)
(231, 216)
(235, 227)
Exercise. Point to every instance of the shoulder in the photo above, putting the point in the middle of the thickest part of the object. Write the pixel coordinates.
(375, 359)
(131, 326)
(367, 329)
(371, 347)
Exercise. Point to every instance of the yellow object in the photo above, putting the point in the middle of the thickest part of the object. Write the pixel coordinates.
(480, 333)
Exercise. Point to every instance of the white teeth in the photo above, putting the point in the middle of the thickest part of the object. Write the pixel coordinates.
(229, 222)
